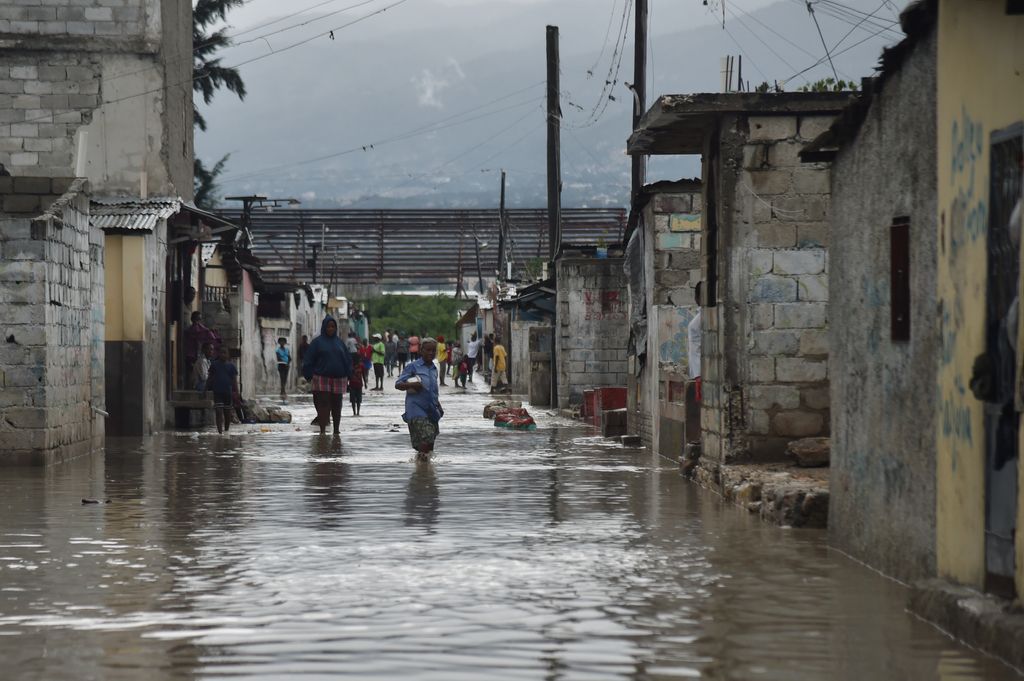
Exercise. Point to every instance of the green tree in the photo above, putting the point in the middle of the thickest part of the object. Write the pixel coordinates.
(208, 76)
(433, 315)
(830, 85)
(205, 180)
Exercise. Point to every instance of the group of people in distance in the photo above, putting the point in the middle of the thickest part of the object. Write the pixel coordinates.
(335, 366)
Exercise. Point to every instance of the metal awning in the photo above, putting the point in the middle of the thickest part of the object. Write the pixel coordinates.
(131, 214)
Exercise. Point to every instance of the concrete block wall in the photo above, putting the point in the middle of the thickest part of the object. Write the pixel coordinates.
(109, 68)
(673, 256)
(43, 103)
(51, 333)
(64, 19)
(782, 207)
(593, 330)
(770, 328)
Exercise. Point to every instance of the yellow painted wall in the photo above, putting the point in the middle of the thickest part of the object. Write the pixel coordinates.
(980, 90)
(113, 321)
(125, 286)
(215, 276)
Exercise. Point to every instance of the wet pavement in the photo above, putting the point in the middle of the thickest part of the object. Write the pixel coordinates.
(536, 555)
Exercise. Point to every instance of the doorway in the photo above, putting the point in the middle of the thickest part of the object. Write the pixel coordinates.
(1001, 417)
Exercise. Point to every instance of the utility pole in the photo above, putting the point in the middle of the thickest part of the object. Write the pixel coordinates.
(554, 148)
(501, 230)
(639, 90)
(479, 270)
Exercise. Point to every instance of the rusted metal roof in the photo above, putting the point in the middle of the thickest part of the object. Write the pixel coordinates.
(131, 215)
(412, 246)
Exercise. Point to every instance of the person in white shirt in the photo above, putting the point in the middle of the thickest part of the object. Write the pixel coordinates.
(472, 350)
(693, 332)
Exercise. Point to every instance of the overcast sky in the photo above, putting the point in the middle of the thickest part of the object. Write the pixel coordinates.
(422, 62)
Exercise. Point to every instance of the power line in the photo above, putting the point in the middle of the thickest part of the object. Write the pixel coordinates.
(842, 51)
(754, 18)
(607, 34)
(372, 145)
(850, 16)
(858, 25)
(200, 46)
(234, 66)
(612, 79)
(491, 137)
(737, 42)
(770, 48)
(810, 10)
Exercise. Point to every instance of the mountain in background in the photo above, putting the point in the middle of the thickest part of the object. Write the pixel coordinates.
(466, 91)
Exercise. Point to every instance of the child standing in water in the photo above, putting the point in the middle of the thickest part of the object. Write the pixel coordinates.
(223, 382)
(355, 392)
(423, 409)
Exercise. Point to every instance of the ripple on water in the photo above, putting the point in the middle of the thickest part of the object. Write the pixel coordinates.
(550, 554)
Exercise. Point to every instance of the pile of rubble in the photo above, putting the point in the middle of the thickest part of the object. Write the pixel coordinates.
(509, 414)
(259, 413)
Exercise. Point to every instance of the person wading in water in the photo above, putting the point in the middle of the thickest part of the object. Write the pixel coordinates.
(328, 366)
(422, 400)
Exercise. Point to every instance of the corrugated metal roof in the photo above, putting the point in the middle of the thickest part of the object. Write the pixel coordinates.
(134, 215)
(421, 246)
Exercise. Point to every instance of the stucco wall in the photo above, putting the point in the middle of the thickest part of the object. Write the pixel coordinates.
(592, 326)
(882, 501)
(980, 90)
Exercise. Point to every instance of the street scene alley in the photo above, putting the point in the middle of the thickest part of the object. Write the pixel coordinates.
(546, 554)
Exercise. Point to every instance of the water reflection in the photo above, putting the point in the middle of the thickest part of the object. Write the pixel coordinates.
(327, 481)
(271, 555)
(422, 498)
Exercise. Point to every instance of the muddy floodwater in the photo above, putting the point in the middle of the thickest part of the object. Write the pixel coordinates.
(540, 555)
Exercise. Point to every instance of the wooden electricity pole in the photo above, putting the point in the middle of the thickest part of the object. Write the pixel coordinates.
(554, 147)
(502, 227)
(639, 90)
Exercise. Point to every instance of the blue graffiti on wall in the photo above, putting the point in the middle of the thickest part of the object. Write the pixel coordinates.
(968, 213)
(956, 414)
(675, 349)
(968, 141)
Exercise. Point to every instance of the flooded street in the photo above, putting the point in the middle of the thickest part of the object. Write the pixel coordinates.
(540, 555)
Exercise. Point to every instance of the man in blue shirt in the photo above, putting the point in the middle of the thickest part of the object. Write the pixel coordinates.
(284, 363)
(422, 399)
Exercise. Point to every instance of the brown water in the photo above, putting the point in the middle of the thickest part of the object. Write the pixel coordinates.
(542, 555)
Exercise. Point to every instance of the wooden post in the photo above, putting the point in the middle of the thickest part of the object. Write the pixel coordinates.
(554, 147)
(501, 230)
(637, 178)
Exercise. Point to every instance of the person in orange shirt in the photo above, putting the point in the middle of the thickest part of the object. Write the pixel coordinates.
(499, 379)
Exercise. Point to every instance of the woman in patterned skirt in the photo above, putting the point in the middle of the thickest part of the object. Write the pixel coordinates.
(327, 365)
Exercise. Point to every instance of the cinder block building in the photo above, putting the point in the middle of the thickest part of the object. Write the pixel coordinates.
(664, 266)
(763, 261)
(592, 329)
(95, 101)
